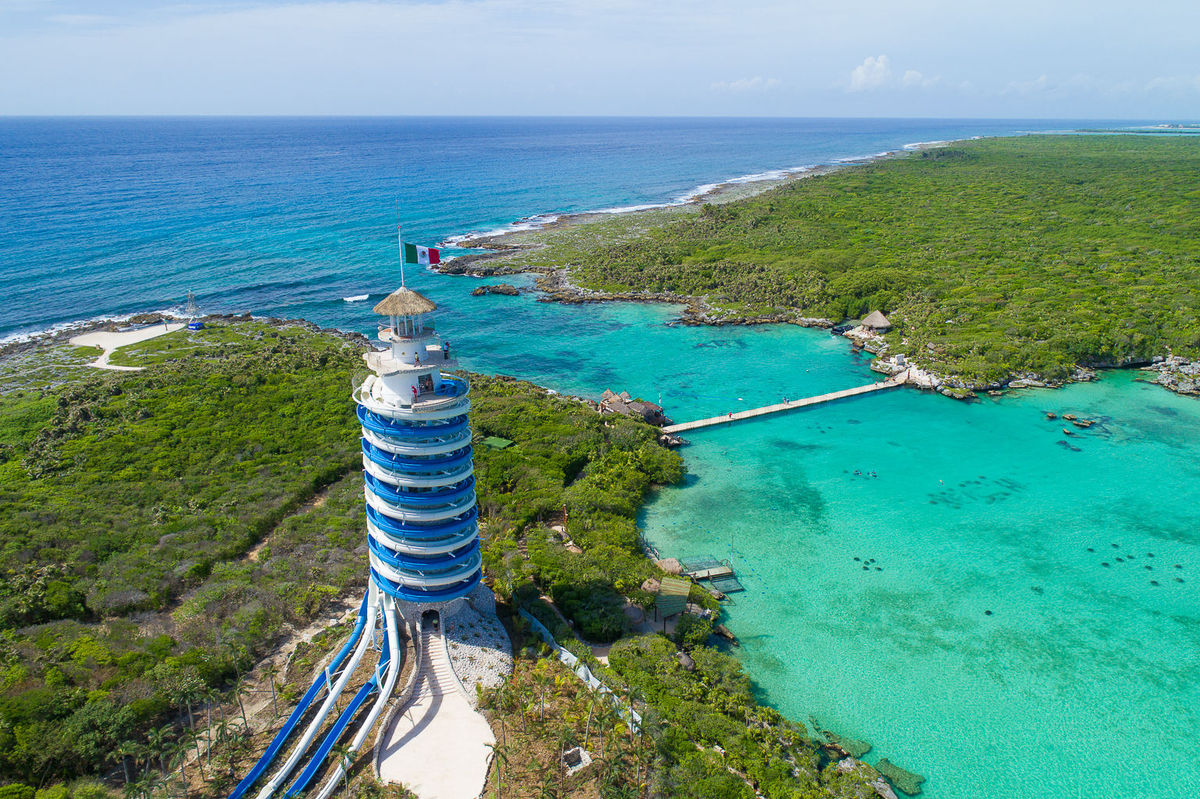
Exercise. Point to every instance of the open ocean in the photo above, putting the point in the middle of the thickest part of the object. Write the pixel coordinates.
(1082, 681)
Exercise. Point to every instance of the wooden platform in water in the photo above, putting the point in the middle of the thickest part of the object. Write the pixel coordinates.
(711, 574)
(787, 406)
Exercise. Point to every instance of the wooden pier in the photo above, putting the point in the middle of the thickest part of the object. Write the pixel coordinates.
(714, 573)
(787, 406)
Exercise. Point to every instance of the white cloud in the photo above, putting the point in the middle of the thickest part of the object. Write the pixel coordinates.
(915, 80)
(873, 73)
(1174, 83)
(876, 72)
(756, 84)
(1026, 87)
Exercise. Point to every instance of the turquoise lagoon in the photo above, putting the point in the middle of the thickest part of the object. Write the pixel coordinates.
(986, 644)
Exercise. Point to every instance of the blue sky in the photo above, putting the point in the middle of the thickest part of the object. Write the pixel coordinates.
(1000, 58)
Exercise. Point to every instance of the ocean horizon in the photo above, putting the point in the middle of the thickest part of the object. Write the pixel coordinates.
(234, 200)
(987, 647)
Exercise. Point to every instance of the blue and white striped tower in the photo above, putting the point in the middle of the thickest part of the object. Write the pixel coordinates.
(416, 442)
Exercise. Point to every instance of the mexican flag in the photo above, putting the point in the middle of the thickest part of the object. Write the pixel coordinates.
(420, 255)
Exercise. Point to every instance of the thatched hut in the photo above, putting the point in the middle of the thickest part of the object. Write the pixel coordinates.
(877, 323)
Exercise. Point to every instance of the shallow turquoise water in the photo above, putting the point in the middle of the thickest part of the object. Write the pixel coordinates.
(1084, 681)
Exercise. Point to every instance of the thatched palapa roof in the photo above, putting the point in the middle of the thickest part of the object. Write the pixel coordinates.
(404, 302)
(877, 321)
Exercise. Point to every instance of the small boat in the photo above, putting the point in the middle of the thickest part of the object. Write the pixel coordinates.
(1070, 417)
(1067, 432)
(1051, 415)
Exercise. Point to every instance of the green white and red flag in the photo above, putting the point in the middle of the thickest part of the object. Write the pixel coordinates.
(423, 256)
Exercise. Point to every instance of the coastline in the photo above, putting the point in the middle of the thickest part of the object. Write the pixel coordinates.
(1176, 373)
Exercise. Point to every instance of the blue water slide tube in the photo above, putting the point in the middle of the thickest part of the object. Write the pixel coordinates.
(339, 726)
(403, 531)
(443, 496)
(443, 528)
(391, 427)
(450, 460)
(452, 387)
(433, 595)
(403, 562)
(309, 697)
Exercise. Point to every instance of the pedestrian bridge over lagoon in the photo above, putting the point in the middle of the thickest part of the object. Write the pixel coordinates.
(728, 418)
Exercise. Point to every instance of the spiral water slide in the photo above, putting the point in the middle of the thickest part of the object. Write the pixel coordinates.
(310, 696)
(334, 680)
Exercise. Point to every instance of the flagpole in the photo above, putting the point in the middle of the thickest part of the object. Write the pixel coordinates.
(400, 240)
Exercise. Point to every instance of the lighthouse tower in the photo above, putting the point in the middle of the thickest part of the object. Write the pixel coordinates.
(422, 534)
(416, 443)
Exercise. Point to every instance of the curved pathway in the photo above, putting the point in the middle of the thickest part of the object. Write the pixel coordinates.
(438, 748)
(109, 341)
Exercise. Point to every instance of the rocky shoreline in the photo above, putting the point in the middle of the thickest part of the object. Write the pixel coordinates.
(1177, 374)
(1172, 372)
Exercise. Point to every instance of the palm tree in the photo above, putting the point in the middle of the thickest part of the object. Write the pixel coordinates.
(500, 751)
(269, 671)
(160, 742)
(237, 691)
(587, 727)
(209, 696)
(181, 756)
(126, 750)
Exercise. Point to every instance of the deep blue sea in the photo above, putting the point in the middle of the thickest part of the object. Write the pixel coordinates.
(111, 216)
(1007, 612)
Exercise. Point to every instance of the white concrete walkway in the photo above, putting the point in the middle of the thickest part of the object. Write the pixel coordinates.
(438, 747)
(109, 341)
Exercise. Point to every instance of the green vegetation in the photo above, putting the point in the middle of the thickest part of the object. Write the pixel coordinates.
(162, 529)
(128, 505)
(567, 458)
(991, 257)
(703, 735)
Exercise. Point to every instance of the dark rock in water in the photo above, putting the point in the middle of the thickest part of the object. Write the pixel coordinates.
(506, 289)
(1149, 567)
(1116, 546)
(1104, 564)
(851, 746)
(1091, 550)
(985, 613)
(1154, 582)
(1120, 560)
(1149, 554)
(1179, 579)
(906, 781)
(1037, 589)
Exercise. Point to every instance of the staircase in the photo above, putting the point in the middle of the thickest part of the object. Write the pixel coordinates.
(437, 675)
